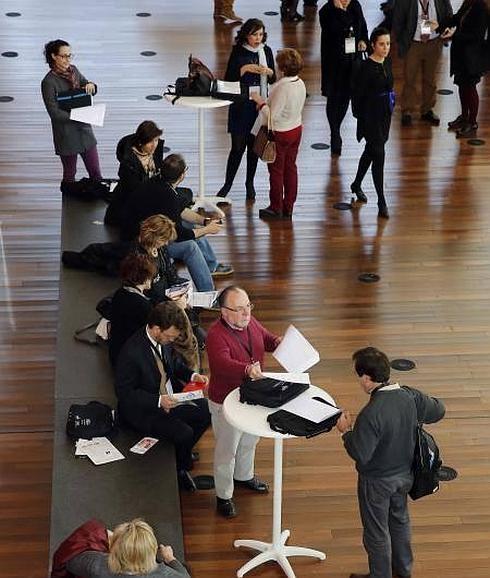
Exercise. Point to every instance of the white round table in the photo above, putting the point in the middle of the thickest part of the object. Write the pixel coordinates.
(202, 103)
(252, 419)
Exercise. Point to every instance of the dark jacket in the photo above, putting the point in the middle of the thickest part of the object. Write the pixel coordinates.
(131, 175)
(382, 442)
(138, 380)
(336, 25)
(405, 19)
(242, 115)
(155, 197)
(470, 49)
(69, 137)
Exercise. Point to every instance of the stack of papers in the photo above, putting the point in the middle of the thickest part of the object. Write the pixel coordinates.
(99, 450)
(295, 353)
(229, 87)
(94, 114)
(312, 408)
(204, 299)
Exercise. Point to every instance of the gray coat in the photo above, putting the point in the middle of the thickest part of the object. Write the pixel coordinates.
(405, 17)
(69, 137)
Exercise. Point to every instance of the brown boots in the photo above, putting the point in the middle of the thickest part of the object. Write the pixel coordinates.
(223, 10)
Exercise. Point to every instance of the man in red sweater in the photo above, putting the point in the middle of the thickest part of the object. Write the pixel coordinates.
(235, 344)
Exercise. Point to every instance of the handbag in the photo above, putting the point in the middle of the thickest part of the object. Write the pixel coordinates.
(285, 422)
(264, 144)
(270, 392)
(90, 420)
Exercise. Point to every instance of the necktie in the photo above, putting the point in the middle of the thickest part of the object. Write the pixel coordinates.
(161, 369)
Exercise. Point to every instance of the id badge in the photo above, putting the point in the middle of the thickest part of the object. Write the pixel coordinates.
(425, 28)
(350, 45)
(253, 89)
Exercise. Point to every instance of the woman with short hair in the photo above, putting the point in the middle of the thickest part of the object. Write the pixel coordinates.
(285, 106)
(71, 138)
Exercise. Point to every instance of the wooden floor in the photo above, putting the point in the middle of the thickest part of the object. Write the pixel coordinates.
(432, 303)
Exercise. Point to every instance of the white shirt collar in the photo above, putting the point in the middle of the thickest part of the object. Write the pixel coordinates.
(389, 387)
(152, 341)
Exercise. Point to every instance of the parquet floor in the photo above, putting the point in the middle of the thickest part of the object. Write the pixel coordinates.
(431, 305)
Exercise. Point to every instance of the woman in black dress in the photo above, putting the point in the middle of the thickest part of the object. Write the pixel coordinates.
(373, 101)
(344, 37)
(470, 58)
(252, 63)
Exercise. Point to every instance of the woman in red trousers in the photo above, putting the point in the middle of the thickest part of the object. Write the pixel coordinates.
(285, 106)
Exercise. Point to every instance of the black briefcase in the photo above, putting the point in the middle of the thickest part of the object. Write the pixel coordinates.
(270, 392)
(286, 422)
(73, 99)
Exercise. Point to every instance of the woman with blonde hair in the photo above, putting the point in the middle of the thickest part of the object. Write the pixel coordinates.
(133, 551)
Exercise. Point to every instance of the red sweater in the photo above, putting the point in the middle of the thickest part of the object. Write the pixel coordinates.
(230, 351)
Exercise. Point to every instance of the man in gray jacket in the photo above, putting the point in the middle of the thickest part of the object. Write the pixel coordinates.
(417, 25)
(382, 444)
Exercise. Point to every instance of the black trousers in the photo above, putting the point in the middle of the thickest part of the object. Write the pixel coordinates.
(337, 105)
(240, 142)
(374, 157)
(183, 426)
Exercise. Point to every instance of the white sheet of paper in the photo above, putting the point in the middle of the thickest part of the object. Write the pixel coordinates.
(94, 114)
(186, 396)
(203, 299)
(310, 408)
(295, 353)
(229, 87)
(99, 450)
(294, 377)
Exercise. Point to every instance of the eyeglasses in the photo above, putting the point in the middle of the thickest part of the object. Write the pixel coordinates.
(66, 56)
(244, 309)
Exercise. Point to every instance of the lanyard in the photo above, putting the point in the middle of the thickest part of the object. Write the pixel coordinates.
(248, 347)
(425, 7)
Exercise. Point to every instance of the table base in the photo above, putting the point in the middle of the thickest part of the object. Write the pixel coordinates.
(277, 552)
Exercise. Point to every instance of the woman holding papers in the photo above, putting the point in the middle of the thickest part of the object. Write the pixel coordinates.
(71, 138)
(251, 63)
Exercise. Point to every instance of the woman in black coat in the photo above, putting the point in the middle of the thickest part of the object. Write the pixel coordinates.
(373, 101)
(140, 157)
(344, 36)
(251, 63)
(470, 59)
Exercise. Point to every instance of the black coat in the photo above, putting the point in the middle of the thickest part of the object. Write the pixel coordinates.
(336, 24)
(470, 51)
(372, 90)
(131, 175)
(138, 380)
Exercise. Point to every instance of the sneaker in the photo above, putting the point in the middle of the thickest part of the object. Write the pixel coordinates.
(222, 270)
(431, 118)
(406, 119)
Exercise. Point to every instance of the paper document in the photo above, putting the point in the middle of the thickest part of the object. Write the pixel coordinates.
(295, 353)
(229, 87)
(176, 291)
(143, 445)
(204, 299)
(99, 450)
(310, 408)
(187, 396)
(90, 114)
(293, 377)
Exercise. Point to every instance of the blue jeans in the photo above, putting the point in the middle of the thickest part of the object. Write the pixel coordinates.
(191, 253)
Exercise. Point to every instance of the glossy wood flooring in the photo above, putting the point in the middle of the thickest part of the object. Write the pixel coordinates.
(431, 305)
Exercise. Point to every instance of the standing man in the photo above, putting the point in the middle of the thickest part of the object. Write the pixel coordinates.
(382, 443)
(235, 344)
(417, 25)
(147, 374)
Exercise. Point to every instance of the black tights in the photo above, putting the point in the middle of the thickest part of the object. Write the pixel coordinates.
(240, 142)
(337, 105)
(374, 156)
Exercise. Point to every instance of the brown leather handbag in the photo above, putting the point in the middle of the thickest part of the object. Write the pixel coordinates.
(264, 144)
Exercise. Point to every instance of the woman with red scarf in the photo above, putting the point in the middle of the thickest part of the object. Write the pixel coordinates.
(71, 138)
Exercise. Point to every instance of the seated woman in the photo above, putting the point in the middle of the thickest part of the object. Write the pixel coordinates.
(130, 306)
(140, 157)
(93, 551)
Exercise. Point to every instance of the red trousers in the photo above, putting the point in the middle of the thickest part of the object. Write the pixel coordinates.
(283, 173)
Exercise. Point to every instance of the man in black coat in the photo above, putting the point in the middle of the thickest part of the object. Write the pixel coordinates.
(147, 374)
(382, 444)
(417, 25)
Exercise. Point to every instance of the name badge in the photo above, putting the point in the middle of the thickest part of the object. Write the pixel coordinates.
(253, 89)
(350, 45)
(425, 28)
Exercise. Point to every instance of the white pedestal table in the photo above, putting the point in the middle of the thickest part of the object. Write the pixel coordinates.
(252, 419)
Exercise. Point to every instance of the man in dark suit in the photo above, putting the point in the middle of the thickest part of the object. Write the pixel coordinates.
(147, 373)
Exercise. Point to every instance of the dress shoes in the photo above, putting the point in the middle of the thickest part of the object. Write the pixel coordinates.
(467, 131)
(361, 196)
(226, 508)
(369, 576)
(431, 118)
(251, 194)
(186, 481)
(383, 212)
(457, 123)
(406, 119)
(269, 213)
(255, 484)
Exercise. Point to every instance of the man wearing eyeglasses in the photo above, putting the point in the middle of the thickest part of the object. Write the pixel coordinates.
(236, 344)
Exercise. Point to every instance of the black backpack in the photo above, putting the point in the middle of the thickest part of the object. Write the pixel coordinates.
(426, 465)
(91, 420)
(270, 392)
